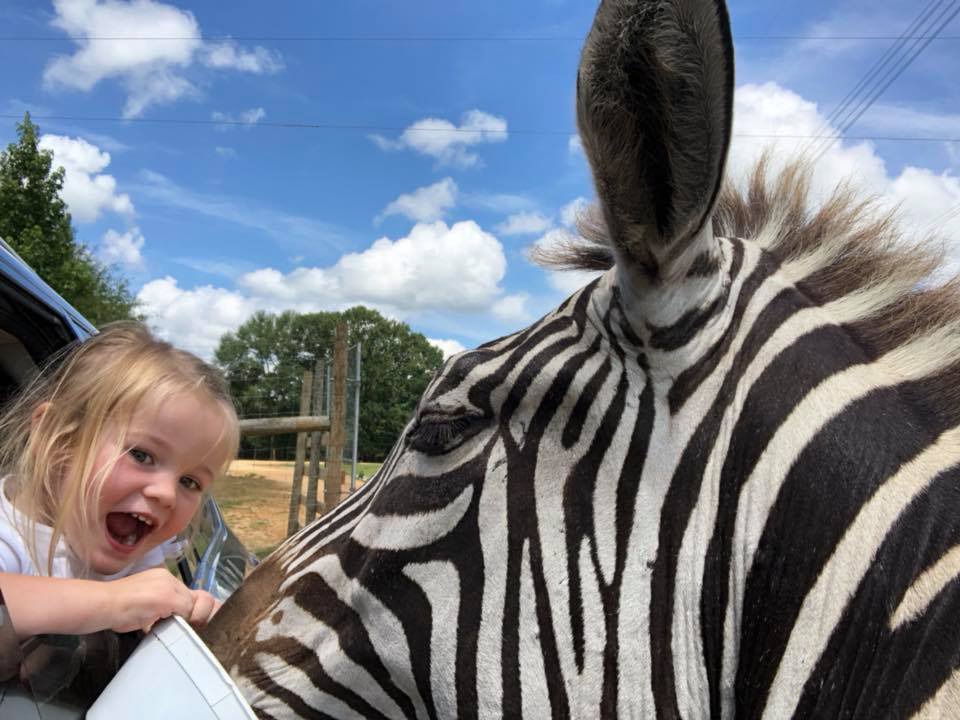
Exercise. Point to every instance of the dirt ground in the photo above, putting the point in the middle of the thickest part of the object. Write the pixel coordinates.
(255, 500)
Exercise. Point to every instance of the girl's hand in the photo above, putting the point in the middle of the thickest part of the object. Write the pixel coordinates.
(137, 601)
(204, 607)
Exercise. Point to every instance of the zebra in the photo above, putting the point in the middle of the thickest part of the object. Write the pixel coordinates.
(719, 481)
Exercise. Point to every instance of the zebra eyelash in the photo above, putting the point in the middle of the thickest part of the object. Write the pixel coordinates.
(435, 435)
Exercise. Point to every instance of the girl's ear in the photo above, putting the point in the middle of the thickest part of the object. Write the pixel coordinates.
(37, 415)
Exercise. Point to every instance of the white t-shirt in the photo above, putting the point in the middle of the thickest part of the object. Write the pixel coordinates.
(15, 557)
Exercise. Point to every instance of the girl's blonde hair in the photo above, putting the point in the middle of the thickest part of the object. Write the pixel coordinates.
(100, 382)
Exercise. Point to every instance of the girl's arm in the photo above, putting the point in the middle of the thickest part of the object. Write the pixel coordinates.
(69, 606)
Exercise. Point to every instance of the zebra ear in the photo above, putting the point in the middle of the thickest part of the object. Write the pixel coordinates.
(654, 109)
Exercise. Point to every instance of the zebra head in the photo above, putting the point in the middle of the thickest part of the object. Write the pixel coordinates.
(601, 515)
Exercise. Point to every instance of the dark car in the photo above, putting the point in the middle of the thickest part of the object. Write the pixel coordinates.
(36, 322)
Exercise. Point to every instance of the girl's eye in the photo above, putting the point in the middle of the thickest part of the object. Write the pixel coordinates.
(141, 456)
(190, 484)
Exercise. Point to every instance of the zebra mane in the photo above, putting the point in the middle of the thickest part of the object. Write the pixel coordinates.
(849, 246)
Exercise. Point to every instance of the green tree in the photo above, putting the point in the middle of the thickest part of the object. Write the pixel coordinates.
(34, 221)
(265, 358)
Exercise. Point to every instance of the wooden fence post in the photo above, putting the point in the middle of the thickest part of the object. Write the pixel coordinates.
(293, 519)
(313, 476)
(338, 421)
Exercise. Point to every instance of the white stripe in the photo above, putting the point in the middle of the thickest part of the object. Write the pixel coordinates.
(306, 629)
(535, 698)
(296, 681)
(926, 587)
(301, 548)
(441, 584)
(839, 579)
(922, 357)
(944, 705)
(807, 419)
(553, 466)
(492, 517)
(689, 663)
(633, 624)
(296, 549)
(406, 532)
(382, 626)
(587, 692)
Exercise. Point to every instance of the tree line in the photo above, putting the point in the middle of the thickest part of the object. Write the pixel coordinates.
(263, 359)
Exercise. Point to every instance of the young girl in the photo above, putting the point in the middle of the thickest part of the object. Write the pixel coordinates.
(104, 458)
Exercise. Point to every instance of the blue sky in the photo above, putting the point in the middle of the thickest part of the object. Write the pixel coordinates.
(446, 147)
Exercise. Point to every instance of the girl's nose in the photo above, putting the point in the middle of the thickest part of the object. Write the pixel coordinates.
(162, 489)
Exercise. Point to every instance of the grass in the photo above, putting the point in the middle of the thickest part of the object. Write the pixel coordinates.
(367, 469)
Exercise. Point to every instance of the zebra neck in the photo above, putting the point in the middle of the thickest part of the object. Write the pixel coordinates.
(670, 324)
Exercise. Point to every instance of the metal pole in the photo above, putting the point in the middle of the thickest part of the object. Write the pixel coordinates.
(328, 377)
(356, 423)
(293, 518)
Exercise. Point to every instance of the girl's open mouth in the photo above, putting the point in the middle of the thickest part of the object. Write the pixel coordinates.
(128, 529)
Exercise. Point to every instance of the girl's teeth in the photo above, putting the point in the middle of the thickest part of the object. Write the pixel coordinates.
(130, 539)
(145, 520)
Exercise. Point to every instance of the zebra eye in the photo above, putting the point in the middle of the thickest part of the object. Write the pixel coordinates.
(438, 434)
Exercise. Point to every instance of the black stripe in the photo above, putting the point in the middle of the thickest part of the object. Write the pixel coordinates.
(706, 264)
(579, 522)
(311, 593)
(850, 457)
(578, 417)
(295, 702)
(479, 394)
(627, 492)
(872, 671)
(675, 336)
(298, 655)
(691, 378)
(774, 395)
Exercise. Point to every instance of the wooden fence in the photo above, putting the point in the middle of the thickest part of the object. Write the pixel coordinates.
(321, 430)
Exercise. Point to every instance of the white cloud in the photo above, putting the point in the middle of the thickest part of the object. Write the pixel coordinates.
(529, 223)
(229, 55)
(193, 319)
(424, 204)
(448, 347)
(246, 118)
(108, 34)
(572, 210)
(497, 202)
(123, 248)
(770, 109)
(895, 119)
(568, 282)
(575, 145)
(225, 152)
(446, 142)
(456, 268)
(435, 267)
(512, 308)
(86, 190)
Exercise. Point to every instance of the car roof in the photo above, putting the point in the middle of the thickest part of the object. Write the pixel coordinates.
(13, 267)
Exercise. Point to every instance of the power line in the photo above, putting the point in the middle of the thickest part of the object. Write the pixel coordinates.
(430, 38)
(877, 65)
(894, 72)
(302, 125)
